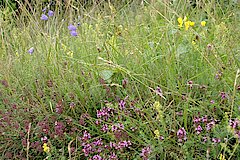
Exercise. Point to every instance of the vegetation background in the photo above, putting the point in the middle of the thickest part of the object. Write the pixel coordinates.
(120, 79)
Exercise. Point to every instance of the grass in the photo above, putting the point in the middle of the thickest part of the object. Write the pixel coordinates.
(131, 85)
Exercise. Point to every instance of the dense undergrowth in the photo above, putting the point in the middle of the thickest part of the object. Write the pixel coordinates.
(145, 81)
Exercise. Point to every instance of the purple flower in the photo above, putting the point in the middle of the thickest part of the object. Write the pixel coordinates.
(44, 17)
(196, 120)
(210, 125)
(212, 101)
(205, 139)
(113, 156)
(204, 119)
(216, 140)
(122, 104)
(72, 28)
(198, 129)
(181, 134)
(114, 128)
(223, 95)
(105, 128)
(73, 33)
(234, 124)
(98, 142)
(87, 149)
(86, 136)
(44, 139)
(97, 157)
(50, 13)
(145, 153)
(31, 50)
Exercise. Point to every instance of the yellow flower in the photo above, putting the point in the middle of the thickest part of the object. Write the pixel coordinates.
(191, 23)
(222, 157)
(157, 134)
(187, 25)
(193, 42)
(180, 21)
(203, 23)
(46, 148)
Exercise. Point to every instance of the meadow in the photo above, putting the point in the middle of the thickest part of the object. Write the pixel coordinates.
(129, 81)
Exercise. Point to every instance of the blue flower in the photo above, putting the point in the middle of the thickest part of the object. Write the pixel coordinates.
(73, 33)
(50, 13)
(31, 50)
(72, 28)
(44, 17)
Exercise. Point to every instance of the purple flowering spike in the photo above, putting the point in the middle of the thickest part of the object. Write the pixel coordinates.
(31, 50)
(145, 153)
(72, 28)
(181, 134)
(73, 33)
(50, 13)
(198, 129)
(44, 17)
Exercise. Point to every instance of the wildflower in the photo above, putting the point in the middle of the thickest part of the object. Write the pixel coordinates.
(46, 148)
(191, 23)
(50, 13)
(98, 142)
(105, 128)
(31, 50)
(216, 140)
(157, 134)
(198, 129)
(210, 125)
(187, 25)
(73, 33)
(205, 139)
(180, 21)
(222, 157)
(145, 153)
(181, 134)
(193, 42)
(44, 139)
(234, 124)
(113, 156)
(196, 120)
(44, 17)
(122, 104)
(223, 95)
(72, 28)
(97, 157)
(86, 136)
(204, 119)
(203, 23)
(212, 101)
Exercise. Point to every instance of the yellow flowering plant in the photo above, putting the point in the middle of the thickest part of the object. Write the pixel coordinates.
(46, 148)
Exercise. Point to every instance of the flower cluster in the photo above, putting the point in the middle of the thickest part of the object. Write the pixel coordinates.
(44, 17)
(73, 30)
(188, 23)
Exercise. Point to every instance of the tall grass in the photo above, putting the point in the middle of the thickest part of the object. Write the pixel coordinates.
(130, 67)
